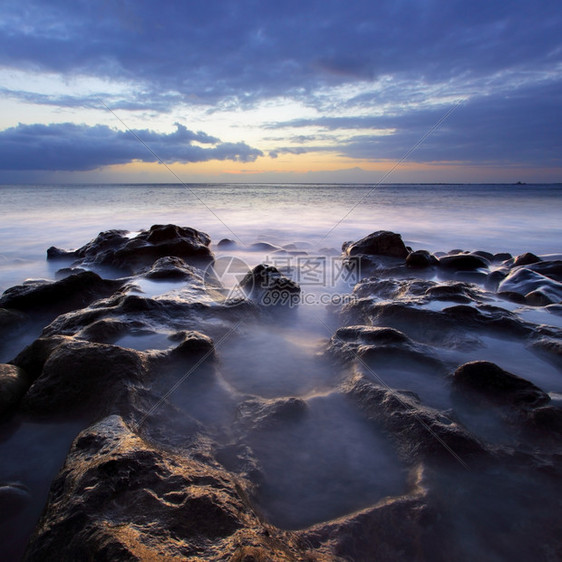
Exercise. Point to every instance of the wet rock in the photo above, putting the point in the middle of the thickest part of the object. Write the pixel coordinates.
(14, 383)
(502, 257)
(115, 248)
(226, 244)
(75, 291)
(33, 357)
(421, 259)
(525, 259)
(525, 281)
(380, 243)
(454, 292)
(80, 377)
(106, 330)
(170, 267)
(117, 497)
(259, 414)
(551, 269)
(489, 257)
(419, 432)
(193, 344)
(463, 262)
(493, 383)
(268, 287)
(264, 247)
(495, 278)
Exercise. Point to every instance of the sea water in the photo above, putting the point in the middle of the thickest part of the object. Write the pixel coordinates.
(506, 218)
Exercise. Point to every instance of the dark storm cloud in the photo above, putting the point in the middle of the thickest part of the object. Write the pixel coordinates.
(522, 126)
(67, 146)
(207, 51)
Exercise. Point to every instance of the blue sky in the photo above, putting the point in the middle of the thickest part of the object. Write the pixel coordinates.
(281, 91)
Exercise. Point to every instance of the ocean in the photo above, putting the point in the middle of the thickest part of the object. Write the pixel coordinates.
(331, 463)
(495, 218)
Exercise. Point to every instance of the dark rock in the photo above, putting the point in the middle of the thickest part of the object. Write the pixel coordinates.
(492, 382)
(105, 330)
(33, 357)
(226, 244)
(419, 432)
(115, 248)
(526, 259)
(370, 334)
(551, 348)
(194, 344)
(482, 254)
(75, 291)
(260, 414)
(495, 278)
(525, 281)
(170, 267)
(502, 256)
(79, 377)
(380, 243)
(421, 259)
(463, 262)
(268, 287)
(117, 497)
(14, 383)
(264, 247)
(551, 269)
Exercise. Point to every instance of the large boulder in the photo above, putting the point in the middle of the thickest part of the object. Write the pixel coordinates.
(267, 286)
(538, 289)
(379, 243)
(116, 248)
(75, 291)
(463, 262)
(119, 498)
(80, 377)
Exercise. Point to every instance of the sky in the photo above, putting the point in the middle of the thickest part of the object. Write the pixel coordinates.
(269, 91)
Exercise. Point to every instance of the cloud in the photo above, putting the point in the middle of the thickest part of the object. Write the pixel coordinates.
(250, 50)
(520, 126)
(68, 146)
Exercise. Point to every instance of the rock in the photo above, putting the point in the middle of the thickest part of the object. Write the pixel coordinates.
(525, 259)
(115, 248)
(170, 267)
(193, 344)
(502, 256)
(264, 247)
(419, 432)
(33, 357)
(463, 262)
(226, 244)
(10, 320)
(421, 259)
(268, 287)
(14, 497)
(80, 377)
(501, 387)
(14, 383)
(524, 281)
(380, 243)
(75, 291)
(118, 497)
(489, 257)
(259, 414)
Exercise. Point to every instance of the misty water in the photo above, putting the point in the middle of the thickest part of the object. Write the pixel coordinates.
(329, 462)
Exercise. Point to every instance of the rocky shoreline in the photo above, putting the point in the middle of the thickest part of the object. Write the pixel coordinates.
(452, 456)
